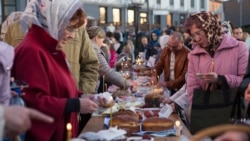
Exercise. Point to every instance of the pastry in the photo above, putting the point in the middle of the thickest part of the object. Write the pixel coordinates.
(157, 124)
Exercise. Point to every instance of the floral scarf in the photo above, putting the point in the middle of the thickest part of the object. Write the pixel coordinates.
(14, 16)
(212, 27)
(51, 15)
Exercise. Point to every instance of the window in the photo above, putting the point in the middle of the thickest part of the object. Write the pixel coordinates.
(103, 15)
(116, 16)
(9, 6)
(131, 17)
(143, 18)
(182, 3)
(171, 2)
(192, 4)
(169, 19)
(158, 1)
(182, 18)
(202, 4)
(157, 19)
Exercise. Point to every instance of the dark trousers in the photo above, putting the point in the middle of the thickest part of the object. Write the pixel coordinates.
(84, 118)
(172, 92)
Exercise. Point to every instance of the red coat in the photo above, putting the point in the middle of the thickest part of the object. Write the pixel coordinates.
(44, 69)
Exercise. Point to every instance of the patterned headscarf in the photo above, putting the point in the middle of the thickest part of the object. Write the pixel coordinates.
(14, 16)
(212, 27)
(52, 15)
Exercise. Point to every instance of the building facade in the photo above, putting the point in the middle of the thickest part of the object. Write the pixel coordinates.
(121, 13)
(238, 12)
(9, 6)
(162, 12)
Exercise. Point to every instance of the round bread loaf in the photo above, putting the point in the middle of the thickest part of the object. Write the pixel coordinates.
(157, 124)
(152, 100)
(130, 124)
(126, 112)
(157, 90)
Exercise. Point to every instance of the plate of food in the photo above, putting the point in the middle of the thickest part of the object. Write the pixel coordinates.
(142, 138)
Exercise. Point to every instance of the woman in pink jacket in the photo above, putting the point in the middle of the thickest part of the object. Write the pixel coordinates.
(214, 55)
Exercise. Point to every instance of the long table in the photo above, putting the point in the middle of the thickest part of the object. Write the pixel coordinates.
(95, 124)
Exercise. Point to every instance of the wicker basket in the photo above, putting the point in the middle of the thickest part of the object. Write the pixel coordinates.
(217, 130)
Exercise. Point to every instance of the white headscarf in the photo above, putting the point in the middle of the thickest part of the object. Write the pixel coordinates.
(52, 15)
(163, 40)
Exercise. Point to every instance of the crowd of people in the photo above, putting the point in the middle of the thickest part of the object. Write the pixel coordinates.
(66, 63)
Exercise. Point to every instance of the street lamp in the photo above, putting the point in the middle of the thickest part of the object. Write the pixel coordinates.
(240, 1)
(136, 5)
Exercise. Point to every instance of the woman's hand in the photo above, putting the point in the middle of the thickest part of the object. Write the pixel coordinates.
(101, 101)
(163, 84)
(247, 93)
(18, 119)
(87, 105)
(210, 77)
(166, 100)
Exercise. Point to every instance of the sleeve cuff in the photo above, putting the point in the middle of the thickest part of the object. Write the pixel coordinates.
(72, 105)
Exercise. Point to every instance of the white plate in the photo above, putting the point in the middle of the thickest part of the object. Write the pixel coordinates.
(138, 139)
(148, 109)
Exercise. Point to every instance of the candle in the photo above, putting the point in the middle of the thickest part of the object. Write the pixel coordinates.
(153, 86)
(106, 88)
(110, 124)
(69, 131)
(103, 83)
(178, 128)
(122, 65)
(154, 71)
(126, 65)
(158, 77)
(127, 75)
(124, 87)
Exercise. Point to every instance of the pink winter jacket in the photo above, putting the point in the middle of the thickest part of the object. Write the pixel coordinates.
(230, 60)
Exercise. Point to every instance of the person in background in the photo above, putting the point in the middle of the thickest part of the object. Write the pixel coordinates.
(117, 45)
(163, 40)
(155, 35)
(97, 36)
(106, 49)
(113, 55)
(187, 40)
(6, 62)
(238, 33)
(83, 61)
(132, 50)
(226, 28)
(244, 88)
(144, 47)
(11, 31)
(52, 89)
(209, 61)
(173, 62)
(13, 17)
(126, 53)
(83, 64)
(246, 39)
(245, 36)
